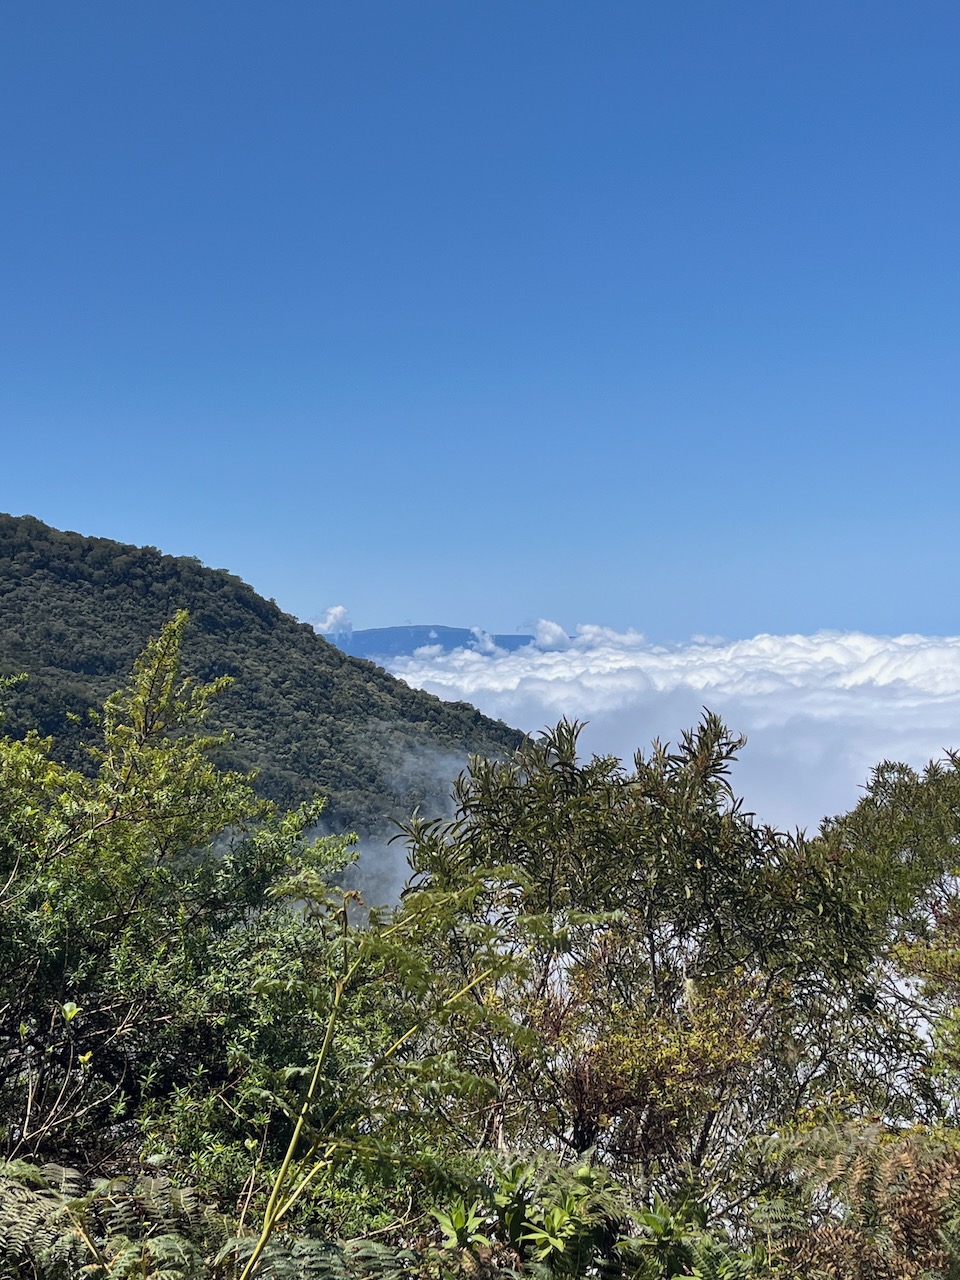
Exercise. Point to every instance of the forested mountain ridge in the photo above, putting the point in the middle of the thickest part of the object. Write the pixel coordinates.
(75, 611)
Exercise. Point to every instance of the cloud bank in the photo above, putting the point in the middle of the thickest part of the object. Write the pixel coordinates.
(819, 711)
(334, 622)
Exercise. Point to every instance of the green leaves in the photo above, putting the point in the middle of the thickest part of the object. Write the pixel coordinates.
(674, 978)
(614, 971)
(544, 1217)
(460, 1224)
(140, 907)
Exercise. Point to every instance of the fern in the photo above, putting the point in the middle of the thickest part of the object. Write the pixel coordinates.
(159, 1257)
(51, 1229)
(37, 1236)
(304, 1259)
(879, 1205)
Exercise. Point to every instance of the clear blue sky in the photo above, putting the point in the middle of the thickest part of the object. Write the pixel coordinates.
(641, 313)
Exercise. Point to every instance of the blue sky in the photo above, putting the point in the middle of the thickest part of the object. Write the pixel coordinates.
(642, 314)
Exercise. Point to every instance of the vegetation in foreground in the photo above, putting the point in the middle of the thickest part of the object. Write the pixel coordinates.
(615, 1028)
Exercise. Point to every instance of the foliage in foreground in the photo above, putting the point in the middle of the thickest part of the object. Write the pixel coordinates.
(615, 1027)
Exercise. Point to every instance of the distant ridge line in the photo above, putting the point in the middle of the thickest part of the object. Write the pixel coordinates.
(395, 642)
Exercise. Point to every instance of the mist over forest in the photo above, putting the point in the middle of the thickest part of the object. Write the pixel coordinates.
(819, 711)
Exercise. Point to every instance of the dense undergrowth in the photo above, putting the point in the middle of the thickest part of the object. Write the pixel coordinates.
(616, 1027)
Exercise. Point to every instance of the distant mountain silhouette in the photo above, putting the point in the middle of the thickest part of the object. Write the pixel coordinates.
(378, 643)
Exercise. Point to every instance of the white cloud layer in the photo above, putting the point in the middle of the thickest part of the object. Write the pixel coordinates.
(335, 622)
(819, 710)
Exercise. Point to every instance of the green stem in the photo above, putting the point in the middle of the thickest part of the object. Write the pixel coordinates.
(271, 1217)
(274, 1211)
(384, 1057)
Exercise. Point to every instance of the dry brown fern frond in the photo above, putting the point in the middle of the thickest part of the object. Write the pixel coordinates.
(879, 1204)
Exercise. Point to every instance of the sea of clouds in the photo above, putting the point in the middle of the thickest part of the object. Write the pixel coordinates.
(819, 711)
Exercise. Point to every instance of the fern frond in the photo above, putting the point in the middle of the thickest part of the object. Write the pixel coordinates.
(879, 1204)
(305, 1259)
(37, 1235)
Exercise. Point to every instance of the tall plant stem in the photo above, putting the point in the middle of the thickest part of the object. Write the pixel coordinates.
(382, 1058)
(270, 1216)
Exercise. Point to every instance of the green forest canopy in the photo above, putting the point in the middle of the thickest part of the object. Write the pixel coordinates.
(75, 611)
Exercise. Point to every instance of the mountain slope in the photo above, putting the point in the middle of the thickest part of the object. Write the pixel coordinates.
(75, 611)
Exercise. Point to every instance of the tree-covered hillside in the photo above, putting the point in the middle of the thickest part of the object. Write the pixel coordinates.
(75, 611)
